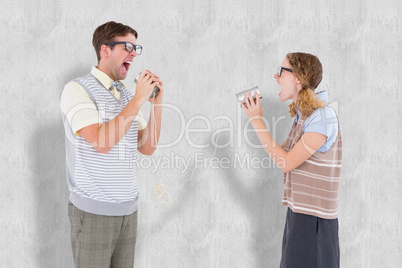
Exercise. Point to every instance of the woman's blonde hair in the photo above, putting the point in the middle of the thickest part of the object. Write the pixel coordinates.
(308, 69)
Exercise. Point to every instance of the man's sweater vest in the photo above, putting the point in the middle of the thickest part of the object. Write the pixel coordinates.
(312, 188)
(103, 184)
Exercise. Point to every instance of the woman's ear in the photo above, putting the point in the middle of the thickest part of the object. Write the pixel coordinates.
(299, 84)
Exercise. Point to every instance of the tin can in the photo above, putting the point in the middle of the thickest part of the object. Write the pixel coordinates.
(240, 96)
(155, 91)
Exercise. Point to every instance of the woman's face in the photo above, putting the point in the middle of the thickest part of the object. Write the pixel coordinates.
(290, 85)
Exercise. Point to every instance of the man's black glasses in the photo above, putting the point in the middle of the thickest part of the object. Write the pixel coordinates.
(128, 46)
(283, 68)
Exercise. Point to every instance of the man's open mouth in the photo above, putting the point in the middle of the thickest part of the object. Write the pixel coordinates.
(126, 66)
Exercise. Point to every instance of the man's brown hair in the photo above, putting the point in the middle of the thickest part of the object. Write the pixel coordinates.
(107, 32)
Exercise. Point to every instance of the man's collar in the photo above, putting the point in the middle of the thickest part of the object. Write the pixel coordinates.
(103, 78)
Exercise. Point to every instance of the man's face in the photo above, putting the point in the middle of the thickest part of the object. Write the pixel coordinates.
(120, 60)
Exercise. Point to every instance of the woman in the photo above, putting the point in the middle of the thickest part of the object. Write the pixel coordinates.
(311, 159)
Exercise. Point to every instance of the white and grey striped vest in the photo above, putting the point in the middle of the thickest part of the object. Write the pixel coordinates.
(103, 184)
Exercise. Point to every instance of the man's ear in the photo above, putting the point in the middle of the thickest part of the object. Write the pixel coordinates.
(105, 51)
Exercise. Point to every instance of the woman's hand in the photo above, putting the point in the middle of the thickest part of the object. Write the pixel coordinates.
(252, 107)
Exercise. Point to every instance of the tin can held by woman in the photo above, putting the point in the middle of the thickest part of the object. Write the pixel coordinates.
(240, 96)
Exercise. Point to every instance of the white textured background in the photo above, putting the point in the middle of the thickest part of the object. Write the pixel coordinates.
(205, 52)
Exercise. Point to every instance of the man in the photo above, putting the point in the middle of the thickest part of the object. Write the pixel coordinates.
(104, 129)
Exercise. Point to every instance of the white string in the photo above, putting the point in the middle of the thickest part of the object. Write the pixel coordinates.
(161, 189)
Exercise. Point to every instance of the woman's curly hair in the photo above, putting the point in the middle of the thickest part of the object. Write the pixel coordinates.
(308, 69)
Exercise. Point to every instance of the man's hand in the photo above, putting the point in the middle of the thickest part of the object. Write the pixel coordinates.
(144, 88)
(156, 81)
(148, 138)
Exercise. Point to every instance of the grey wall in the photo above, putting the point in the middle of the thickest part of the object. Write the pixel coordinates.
(205, 52)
